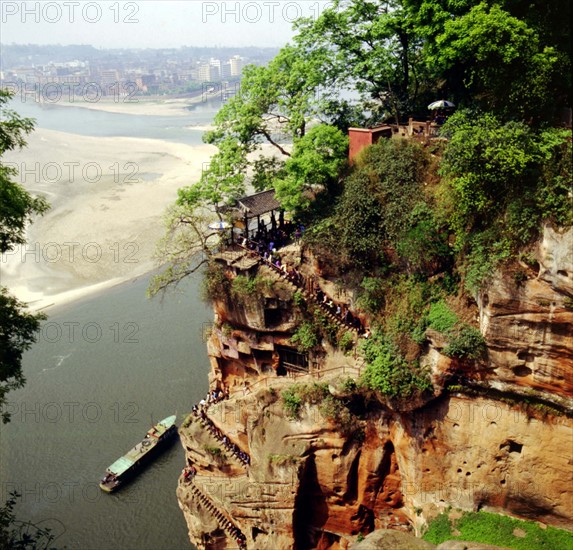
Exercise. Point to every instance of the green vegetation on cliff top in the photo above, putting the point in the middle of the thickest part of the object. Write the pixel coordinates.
(414, 228)
(498, 530)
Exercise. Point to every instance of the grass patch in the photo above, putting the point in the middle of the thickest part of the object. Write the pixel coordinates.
(496, 529)
(441, 317)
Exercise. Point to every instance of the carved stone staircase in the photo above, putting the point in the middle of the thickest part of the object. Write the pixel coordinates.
(223, 519)
(209, 425)
(309, 297)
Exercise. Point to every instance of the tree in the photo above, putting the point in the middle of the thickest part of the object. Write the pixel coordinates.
(18, 327)
(189, 242)
(275, 102)
(221, 183)
(360, 223)
(15, 534)
(372, 48)
(486, 49)
(314, 165)
(487, 164)
(512, 57)
(17, 206)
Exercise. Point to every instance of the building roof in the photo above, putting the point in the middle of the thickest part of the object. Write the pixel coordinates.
(373, 130)
(259, 203)
(254, 205)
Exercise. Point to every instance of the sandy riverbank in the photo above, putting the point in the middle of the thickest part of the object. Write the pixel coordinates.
(106, 215)
(137, 105)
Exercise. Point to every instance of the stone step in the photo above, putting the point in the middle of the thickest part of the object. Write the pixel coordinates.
(308, 295)
(221, 518)
(207, 424)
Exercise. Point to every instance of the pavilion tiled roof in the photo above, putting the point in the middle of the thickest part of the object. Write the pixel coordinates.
(258, 204)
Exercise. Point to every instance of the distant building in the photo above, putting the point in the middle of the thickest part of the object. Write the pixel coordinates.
(236, 63)
(208, 73)
(226, 71)
(109, 76)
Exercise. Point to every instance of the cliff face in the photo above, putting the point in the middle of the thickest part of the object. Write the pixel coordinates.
(313, 482)
(529, 326)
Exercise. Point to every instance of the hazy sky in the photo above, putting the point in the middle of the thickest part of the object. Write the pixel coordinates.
(153, 23)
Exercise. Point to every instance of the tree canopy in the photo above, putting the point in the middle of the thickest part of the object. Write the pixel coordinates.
(18, 327)
(510, 57)
(315, 163)
(506, 64)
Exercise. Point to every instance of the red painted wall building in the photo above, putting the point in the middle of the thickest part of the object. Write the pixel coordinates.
(362, 137)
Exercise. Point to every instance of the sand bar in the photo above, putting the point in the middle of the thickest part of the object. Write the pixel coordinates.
(106, 216)
(137, 105)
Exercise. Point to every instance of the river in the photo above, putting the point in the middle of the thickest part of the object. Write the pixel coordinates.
(103, 369)
(98, 123)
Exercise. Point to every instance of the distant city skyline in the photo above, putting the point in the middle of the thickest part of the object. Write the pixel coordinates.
(153, 23)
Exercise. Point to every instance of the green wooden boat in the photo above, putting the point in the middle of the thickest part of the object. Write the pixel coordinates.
(155, 441)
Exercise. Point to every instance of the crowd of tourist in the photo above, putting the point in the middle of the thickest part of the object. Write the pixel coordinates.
(200, 412)
(267, 251)
(214, 396)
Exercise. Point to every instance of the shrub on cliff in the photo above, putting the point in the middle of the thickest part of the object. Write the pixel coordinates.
(467, 342)
(215, 283)
(441, 317)
(292, 402)
(501, 180)
(243, 286)
(299, 394)
(306, 337)
(345, 341)
(388, 371)
(333, 409)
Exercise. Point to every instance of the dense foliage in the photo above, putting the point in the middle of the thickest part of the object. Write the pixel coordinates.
(415, 229)
(388, 371)
(402, 54)
(314, 166)
(18, 327)
(500, 182)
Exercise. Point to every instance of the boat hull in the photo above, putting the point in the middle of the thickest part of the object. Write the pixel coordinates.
(145, 456)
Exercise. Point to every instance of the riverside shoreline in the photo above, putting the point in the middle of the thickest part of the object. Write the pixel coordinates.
(135, 105)
(106, 215)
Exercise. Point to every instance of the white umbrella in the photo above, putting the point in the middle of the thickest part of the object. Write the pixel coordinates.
(219, 226)
(440, 104)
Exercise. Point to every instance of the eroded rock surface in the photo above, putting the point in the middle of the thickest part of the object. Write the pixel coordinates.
(314, 484)
(528, 326)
